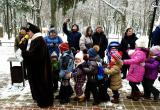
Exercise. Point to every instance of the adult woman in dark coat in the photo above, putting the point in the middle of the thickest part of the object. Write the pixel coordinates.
(127, 42)
(99, 38)
(38, 67)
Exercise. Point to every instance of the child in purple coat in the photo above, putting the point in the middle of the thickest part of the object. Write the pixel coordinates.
(151, 73)
(79, 77)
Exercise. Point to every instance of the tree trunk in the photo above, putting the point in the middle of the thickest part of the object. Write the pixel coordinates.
(14, 22)
(38, 10)
(53, 12)
(7, 19)
(11, 21)
(73, 14)
(124, 25)
(144, 18)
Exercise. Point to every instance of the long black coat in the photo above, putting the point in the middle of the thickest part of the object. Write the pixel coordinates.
(39, 72)
(127, 43)
(101, 40)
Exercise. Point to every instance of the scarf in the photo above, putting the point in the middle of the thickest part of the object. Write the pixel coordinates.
(30, 40)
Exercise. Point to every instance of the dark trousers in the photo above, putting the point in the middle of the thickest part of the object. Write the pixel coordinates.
(124, 70)
(115, 94)
(55, 79)
(25, 70)
(134, 87)
(103, 86)
(55, 83)
(149, 88)
(91, 87)
(65, 91)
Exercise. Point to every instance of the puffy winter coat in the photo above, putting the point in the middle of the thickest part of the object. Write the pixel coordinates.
(115, 76)
(156, 36)
(137, 69)
(53, 44)
(85, 42)
(151, 69)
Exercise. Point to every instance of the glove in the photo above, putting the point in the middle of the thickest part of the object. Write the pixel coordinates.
(130, 52)
(67, 20)
(142, 64)
(68, 75)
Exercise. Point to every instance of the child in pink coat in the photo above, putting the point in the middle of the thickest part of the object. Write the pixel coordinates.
(137, 69)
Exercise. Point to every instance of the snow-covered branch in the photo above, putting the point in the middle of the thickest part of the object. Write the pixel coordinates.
(120, 11)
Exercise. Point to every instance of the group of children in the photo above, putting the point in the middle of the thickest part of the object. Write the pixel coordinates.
(86, 68)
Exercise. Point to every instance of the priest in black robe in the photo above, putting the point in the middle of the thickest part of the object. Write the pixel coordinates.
(38, 64)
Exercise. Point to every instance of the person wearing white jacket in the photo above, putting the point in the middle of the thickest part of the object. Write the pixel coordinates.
(86, 41)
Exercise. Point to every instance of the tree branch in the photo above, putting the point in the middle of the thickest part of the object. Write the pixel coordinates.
(120, 11)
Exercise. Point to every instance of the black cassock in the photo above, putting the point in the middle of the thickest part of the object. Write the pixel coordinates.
(39, 72)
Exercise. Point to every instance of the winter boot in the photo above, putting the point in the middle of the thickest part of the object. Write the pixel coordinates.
(75, 98)
(82, 99)
(95, 103)
(136, 96)
(130, 96)
(156, 96)
(115, 100)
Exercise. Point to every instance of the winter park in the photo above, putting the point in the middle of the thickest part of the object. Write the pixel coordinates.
(80, 55)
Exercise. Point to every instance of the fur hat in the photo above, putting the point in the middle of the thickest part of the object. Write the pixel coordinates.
(63, 47)
(79, 55)
(117, 56)
(155, 50)
(142, 42)
(33, 28)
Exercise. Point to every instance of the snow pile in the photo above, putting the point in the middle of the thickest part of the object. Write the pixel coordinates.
(14, 90)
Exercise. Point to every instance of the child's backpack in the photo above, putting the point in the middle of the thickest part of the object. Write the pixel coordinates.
(100, 74)
(67, 60)
(66, 63)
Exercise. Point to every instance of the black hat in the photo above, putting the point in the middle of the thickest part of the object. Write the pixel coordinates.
(33, 28)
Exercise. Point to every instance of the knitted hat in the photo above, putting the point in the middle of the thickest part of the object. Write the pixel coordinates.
(79, 55)
(142, 42)
(96, 48)
(155, 50)
(33, 28)
(63, 47)
(92, 53)
(52, 30)
(117, 56)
